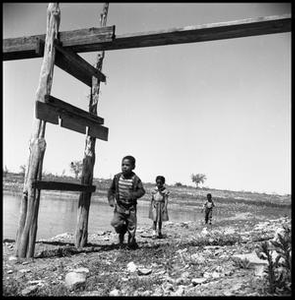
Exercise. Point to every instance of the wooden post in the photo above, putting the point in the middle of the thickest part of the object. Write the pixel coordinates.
(28, 220)
(89, 153)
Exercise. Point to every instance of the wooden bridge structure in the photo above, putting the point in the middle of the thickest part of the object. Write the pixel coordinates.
(61, 49)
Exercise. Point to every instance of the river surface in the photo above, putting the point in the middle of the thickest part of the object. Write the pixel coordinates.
(59, 214)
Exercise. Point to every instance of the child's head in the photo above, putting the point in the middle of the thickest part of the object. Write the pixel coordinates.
(209, 197)
(160, 181)
(128, 164)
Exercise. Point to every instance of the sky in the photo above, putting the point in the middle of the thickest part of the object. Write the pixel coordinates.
(220, 108)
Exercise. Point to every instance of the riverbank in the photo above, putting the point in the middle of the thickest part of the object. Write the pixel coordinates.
(191, 260)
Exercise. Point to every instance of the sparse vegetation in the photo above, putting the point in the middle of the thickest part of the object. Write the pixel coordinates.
(76, 167)
(198, 178)
(23, 169)
(279, 268)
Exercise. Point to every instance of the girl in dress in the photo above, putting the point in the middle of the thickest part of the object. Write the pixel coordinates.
(158, 208)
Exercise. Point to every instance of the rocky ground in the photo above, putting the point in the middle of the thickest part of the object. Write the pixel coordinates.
(191, 260)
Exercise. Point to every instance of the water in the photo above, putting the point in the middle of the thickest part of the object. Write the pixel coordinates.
(59, 214)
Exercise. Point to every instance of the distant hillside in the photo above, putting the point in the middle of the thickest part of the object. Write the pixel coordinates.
(188, 195)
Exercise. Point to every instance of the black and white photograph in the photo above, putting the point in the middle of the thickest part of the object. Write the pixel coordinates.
(146, 149)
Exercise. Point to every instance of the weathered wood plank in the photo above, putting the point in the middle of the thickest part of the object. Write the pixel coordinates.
(75, 65)
(189, 34)
(72, 118)
(201, 33)
(100, 132)
(63, 186)
(47, 115)
(72, 124)
(62, 105)
(25, 47)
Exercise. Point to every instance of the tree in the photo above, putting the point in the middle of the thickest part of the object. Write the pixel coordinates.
(23, 170)
(198, 178)
(76, 167)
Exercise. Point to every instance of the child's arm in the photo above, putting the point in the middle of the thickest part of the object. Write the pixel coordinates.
(112, 193)
(203, 207)
(139, 191)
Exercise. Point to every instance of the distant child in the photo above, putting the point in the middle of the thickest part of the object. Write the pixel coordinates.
(208, 206)
(158, 208)
(123, 193)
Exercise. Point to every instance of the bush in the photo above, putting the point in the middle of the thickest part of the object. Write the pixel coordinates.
(279, 269)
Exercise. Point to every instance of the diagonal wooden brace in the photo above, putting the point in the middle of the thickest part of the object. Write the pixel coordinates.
(75, 65)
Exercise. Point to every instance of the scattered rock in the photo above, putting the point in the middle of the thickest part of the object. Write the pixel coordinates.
(75, 280)
(143, 271)
(36, 282)
(259, 270)
(115, 293)
(215, 274)
(204, 231)
(81, 270)
(229, 231)
(252, 258)
(131, 267)
(145, 293)
(12, 258)
(24, 271)
(30, 290)
(196, 281)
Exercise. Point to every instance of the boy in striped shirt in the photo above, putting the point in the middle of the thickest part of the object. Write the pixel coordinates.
(123, 193)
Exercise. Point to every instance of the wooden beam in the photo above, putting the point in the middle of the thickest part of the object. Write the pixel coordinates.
(201, 33)
(63, 106)
(75, 65)
(189, 34)
(72, 117)
(63, 186)
(25, 47)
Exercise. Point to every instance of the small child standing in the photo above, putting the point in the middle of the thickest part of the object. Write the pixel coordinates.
(208, 206)
(158, 207)
(123, 193)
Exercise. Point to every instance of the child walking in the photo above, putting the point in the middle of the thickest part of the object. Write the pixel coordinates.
(158, 207)
(123, 193)
(208, 206)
